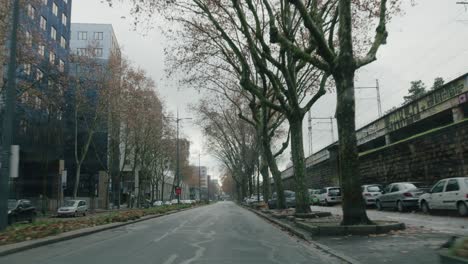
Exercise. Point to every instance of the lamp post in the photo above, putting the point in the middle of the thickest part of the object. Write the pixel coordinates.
(8, 118)
(177, 153)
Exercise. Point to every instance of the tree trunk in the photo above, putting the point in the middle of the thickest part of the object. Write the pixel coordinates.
(354, 209)
(297, 152)
(77, 180)
(266, 178)
(244, 187)
(281, 200)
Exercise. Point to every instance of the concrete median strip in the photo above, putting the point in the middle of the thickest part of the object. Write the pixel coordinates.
(25, 245)
(305, 236)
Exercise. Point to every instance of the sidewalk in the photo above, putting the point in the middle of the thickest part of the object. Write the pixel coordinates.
(417, 244)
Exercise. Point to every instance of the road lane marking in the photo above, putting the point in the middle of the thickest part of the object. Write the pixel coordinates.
(171, 259)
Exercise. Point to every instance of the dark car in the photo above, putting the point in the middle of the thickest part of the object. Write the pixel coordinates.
(290, 197)
(20, 211)
(401, 196)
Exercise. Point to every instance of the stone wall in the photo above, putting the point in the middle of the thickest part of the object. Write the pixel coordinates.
(427, 157)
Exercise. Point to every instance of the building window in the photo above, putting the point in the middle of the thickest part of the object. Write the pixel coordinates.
(82, 35)
(55, 9)
(31, 11)
(98, 35)
(81, 52)
(61, 65)
(52, 57)
(27, 69)
(63, 42)
(64, 19)
(43, 23)
(53, 33)
(39, 75)
(41, 50)
(98, 52)
(28, 39)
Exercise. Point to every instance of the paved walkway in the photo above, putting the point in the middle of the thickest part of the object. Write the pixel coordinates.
(444, 222)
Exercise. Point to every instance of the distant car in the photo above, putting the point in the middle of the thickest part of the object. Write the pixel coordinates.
(447, 194)
(167, 203)
(73, 208)
(21, 210)
(314, 196)
(401, 196)
(158, 203)
(330, 195)
(174, 201)
(370, 193)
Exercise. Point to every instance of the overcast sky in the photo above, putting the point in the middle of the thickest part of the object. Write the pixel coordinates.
(429, 40)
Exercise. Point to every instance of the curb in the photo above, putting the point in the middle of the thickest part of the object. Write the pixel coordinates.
(359, 230)
(305, 237)
(25, 245)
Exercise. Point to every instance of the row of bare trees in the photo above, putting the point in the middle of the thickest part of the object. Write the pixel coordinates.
(282, 53)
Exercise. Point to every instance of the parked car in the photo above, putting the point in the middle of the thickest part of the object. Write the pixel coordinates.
(290, 198)
(370, 193)
(21, 210)
(167, 203)
(73, 208)
(330, 195)
(447, 194)
(314, 196)
(158, 203)
(401, 196)
(174, 201)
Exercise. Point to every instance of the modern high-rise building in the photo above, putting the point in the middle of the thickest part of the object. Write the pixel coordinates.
(96, 45)
(99, 38)
(43, 52)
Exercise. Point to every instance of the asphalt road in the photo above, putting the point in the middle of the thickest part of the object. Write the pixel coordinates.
(219, 233)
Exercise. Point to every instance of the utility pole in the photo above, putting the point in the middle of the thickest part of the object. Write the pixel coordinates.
(199, 176)
(310, 132)
(177, 153)
(329, 120)
(377, 88)
(8, 118)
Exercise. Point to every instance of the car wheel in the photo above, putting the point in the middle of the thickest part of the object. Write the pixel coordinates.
(84, 213)
(326, 203)
(462, 209)
(400, 207)
(75, 214)
(378, 205)
(425, 207)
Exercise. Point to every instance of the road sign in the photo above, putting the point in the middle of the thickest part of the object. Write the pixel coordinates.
(178, 190)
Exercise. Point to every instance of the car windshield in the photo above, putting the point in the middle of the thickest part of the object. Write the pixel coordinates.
(334, 191)
(12, 204)
(69, 203)
(374, 188)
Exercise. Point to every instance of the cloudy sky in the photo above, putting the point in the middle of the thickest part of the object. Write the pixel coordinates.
(429, 40)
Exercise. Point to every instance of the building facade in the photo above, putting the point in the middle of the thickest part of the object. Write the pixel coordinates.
(43, 56)
(96, 47)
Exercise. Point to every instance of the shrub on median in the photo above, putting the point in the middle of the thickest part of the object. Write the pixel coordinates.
(39, 229)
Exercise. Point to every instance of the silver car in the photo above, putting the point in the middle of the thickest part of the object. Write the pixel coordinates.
(370, 193)
(401, 196)
(73, 208)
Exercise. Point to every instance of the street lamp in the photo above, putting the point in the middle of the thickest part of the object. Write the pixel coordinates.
(177, 153)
